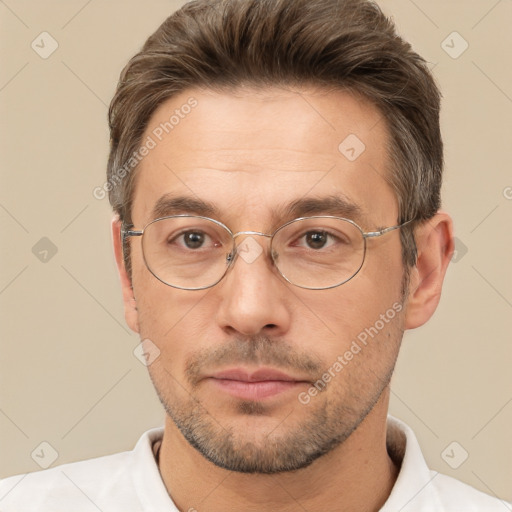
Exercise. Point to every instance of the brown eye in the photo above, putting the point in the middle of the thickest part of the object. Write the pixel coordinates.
(193, 240)
(317, 239)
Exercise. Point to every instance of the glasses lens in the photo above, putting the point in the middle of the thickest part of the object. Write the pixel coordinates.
(187, 252)
(318, 252)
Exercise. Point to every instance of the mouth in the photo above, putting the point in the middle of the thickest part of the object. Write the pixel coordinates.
(256, 385)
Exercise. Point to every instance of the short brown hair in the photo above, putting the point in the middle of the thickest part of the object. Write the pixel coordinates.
(344, 44)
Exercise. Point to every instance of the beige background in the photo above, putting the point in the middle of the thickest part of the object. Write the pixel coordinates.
(68, 373)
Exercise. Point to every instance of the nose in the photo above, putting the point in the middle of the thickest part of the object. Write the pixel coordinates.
(253, 297)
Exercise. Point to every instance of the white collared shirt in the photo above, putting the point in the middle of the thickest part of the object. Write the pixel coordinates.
(131, 482)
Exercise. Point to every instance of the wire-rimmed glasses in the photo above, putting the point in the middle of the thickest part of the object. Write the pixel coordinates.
(191, 252)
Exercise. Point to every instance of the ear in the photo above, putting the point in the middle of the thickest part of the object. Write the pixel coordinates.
(130, 306)
(435, 245)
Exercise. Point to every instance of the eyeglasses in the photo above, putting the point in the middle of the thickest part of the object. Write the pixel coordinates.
(194, 253)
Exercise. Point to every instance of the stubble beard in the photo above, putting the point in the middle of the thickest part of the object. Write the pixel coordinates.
(285, 447)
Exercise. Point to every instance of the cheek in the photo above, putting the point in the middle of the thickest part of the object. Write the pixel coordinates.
(161, 308)
(346, 310)
(366, 309)
(366, 339)
(174, 320)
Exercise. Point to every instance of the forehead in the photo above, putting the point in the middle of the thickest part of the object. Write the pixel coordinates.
(252, 154)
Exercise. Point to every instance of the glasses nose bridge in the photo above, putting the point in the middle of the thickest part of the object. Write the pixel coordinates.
(238, 246)
(249, 233)
(256, 233)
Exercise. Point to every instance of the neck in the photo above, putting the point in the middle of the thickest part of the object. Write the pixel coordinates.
(358, 474)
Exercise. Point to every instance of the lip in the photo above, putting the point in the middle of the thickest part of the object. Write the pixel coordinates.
(256, 385)
(260, 375)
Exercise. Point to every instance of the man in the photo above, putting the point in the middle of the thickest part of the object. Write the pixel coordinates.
(275, 171)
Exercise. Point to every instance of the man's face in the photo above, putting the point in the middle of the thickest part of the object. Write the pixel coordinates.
(250, 154)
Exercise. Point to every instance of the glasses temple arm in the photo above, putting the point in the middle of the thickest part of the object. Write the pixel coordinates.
(373, 234)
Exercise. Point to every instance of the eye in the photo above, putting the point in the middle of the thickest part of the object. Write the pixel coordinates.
(193, 240)
(316, 240)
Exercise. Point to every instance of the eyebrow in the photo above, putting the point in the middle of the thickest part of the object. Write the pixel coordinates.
(175, 205)
(335, 205)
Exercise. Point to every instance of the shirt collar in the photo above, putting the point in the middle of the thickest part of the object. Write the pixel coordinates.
(413, 489)
(147, 481)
